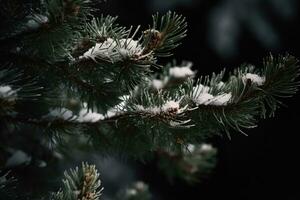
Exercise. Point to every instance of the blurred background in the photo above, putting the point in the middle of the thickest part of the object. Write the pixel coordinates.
(221, 34)
(226, 34)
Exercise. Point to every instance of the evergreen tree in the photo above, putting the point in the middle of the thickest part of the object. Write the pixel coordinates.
(72, 80)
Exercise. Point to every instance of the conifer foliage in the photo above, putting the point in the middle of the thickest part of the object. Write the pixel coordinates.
(69, 72)
(83, 183)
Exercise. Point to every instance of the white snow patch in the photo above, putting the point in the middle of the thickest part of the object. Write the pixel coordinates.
(206, 147)
(141, 186)
(102, 50)
(157, 84)
(177, 72)
(201, 96)
(129, 47)
(256, 79)
(199, 89)
(182, 72)
(170, 105)
(114, 50)
(61, 113)
(7, 92)
(221, 99)
(86, 115)
(191, 148)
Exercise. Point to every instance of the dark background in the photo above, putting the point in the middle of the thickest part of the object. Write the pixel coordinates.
(221, 34)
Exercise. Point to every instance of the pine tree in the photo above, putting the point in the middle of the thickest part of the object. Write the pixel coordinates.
(71, 79)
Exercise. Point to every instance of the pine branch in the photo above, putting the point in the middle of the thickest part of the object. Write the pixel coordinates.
(203, 109)
(15, 88)
(165, 35)
(118, 104)
(91, 91)
(111, 53)
(52, 14)
(190, 163)
(98, 30)
(44, 31)
(250, 99)
(83, 184)
(102, 62)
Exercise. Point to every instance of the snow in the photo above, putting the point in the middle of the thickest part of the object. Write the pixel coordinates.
(37, 21)
(191, 147)
(102, 50)
(61, 113)
(201, 96)
(202, 148)
(139, 185)
(129, 47)
(110, 113)
(114, 50)
(255, 79)
(177, 72)
(199, 89)
(182, 72)
(86, 115)
(170, 105)
(220, 85)
(152, 110)
(7, 92)
(221, 99)
(206, 147)
(122, 104)
(157, 84)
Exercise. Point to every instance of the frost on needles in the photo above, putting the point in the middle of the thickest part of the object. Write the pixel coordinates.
(84, 76)
(80, 183)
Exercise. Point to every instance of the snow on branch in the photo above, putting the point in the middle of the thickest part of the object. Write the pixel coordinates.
(114, 50)
(201, 96)
(85, 114)
(175, 75)
(254, 78)
(14, 89)
(170, 112)
(170, 107)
